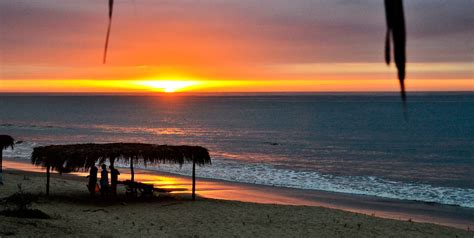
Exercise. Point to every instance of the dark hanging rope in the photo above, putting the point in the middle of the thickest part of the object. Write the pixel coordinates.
(111, 7)
(397, 34)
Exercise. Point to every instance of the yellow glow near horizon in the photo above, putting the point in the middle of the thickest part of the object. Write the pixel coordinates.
(324, 77)
(198, 85)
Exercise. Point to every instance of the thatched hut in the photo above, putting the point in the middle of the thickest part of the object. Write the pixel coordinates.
(5, 142)
(81, 157)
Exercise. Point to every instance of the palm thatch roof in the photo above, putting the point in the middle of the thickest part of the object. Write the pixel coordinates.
(76, 157)
(6, 141)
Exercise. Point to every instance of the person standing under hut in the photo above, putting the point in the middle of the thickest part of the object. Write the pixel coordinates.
(104, 181)
(114, 173)
(92, 180)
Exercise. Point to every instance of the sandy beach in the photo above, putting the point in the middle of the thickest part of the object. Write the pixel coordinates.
(175, 215)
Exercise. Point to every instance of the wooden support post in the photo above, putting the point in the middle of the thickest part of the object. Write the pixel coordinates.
(47, 179)
(1, 166)
(132, 171)
(194, 180)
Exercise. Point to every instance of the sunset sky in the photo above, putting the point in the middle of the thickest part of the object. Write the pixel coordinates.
(230, 46)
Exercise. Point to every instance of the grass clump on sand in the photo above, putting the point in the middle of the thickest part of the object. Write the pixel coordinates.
(19, 205)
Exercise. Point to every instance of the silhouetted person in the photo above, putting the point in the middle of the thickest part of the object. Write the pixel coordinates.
(114, 173)
(92, 180)
(104, 181)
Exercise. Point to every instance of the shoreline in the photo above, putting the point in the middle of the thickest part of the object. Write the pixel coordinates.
(402, 210)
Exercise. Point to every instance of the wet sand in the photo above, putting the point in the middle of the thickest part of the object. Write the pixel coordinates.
(69, 201)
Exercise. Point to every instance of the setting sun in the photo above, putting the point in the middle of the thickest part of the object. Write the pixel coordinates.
(168, 86)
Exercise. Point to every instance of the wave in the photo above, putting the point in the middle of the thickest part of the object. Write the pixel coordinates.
(264, 174)
(28, 126)
(21, 150)
(104, 128)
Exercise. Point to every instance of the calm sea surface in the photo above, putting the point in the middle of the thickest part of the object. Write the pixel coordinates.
(355, 144)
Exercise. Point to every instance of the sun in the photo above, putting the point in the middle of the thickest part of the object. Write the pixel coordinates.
(167, 86)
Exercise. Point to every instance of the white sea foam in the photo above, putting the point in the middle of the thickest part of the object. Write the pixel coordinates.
(22, 150)
(264, 174)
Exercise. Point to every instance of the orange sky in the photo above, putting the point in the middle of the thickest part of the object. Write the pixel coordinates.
(234, 46)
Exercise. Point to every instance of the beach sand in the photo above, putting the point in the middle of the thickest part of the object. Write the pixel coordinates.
(75, 214)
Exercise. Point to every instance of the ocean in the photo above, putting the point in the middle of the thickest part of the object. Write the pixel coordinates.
(350, 143)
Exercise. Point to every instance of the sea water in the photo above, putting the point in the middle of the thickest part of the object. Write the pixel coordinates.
(351, 143)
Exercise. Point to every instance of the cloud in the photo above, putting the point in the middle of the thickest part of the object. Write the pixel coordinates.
(220, 38)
